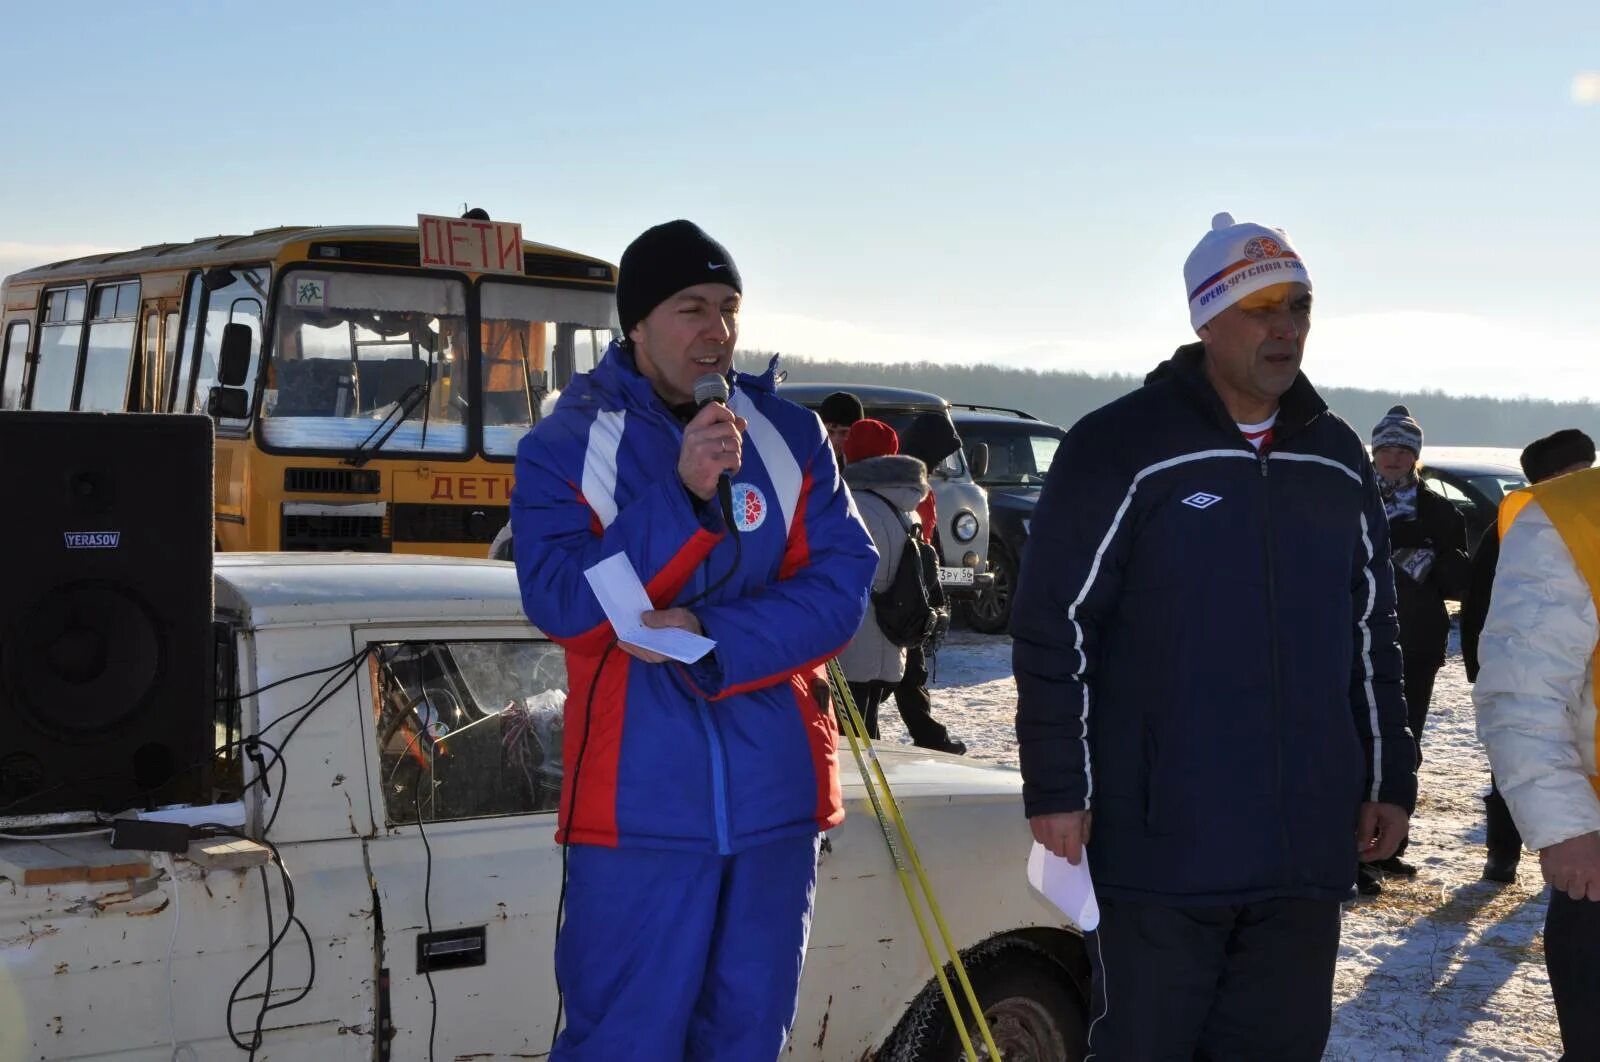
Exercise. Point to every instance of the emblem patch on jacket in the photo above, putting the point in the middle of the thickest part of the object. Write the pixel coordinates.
(749, 507)
(1202, 500)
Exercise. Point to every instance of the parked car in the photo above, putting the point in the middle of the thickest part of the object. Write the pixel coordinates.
(1475, 479)
(963, 532)
(414, 804)
(1020, 448)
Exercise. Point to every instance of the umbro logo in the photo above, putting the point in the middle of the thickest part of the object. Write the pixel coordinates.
(1202, 500)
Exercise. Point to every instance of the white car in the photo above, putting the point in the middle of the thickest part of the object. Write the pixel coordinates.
(435, 939)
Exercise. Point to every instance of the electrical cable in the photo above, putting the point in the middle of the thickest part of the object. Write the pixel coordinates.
(427, 898)
(275, 937)
(52, 836)
(292, 678)
(566, 845)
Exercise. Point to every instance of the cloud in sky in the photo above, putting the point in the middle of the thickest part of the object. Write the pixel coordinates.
(1586, 88)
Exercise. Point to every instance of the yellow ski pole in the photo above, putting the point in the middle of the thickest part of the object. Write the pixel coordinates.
(888, 803)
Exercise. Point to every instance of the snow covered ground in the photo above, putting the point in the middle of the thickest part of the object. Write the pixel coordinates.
(1444, 967)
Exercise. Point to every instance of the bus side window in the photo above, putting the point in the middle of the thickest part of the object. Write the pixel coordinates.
(108, 355)
(149, 385)
(13, 359)
(169, 356)
(60, 329)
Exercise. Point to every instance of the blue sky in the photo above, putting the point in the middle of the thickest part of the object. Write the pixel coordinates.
(1005, 182)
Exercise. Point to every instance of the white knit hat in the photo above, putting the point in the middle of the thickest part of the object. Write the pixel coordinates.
(1233, 260)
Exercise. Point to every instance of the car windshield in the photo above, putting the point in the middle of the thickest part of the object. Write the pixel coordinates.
(349, 348)
(1015, 458)
(1497, 487)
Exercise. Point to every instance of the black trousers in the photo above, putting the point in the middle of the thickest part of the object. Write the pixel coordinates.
(1240, 983)
(1504, 840)
(1571, 942)
(1419, 675)
(868, 696)
(916, 707)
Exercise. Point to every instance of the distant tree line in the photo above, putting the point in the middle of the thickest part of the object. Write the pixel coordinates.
(1063, 397)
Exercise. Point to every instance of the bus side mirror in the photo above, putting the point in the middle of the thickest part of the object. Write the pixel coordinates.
(233, 360)
(229, 403)
(978, 458)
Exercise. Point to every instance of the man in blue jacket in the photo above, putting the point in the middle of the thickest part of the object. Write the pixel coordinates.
(1208, 670)
(694, 794)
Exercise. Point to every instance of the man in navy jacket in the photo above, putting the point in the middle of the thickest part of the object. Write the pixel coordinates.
(1208, 670)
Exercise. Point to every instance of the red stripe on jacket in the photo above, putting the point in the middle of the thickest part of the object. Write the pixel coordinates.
(662, 588)
(675, 573)
(591, 746)
(822, 736)
(797, 552)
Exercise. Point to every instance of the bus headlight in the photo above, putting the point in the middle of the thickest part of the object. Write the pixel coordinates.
(965, 526)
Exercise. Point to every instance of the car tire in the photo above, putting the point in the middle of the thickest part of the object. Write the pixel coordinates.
(1034, 1011)
(989, 610)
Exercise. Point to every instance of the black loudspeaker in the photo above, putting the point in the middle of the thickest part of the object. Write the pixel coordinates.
(106, 645)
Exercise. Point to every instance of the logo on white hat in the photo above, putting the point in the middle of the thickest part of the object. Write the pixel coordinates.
(1262, 247)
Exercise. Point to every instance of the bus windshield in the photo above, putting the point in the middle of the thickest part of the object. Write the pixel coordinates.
(533, 339)
(349, 347)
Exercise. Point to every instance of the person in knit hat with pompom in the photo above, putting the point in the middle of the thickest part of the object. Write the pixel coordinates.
(1208, 670)
(1428, 539)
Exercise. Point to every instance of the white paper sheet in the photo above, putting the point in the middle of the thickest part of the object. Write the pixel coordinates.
(1066, 886)
(620, 593)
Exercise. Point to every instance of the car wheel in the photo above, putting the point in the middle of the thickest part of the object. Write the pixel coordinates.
(989, 611)
(1033, 1009)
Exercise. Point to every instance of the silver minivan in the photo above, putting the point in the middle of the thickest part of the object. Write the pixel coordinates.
(963, 505)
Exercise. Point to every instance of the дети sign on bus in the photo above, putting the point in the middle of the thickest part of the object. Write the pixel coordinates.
(466, 243)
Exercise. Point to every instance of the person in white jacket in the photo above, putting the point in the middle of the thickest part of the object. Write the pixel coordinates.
(1536, 709)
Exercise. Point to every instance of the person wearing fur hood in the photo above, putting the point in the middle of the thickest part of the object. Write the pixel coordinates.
(886, 485)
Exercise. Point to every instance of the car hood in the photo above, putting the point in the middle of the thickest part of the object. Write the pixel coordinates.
(1012, 495)
(922, 773)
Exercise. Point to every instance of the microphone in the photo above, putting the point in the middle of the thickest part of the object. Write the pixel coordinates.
(713, 387)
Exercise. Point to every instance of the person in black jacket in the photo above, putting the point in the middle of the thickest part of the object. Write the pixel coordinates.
(1568, 450)
(1208, 676)
(1428, 537)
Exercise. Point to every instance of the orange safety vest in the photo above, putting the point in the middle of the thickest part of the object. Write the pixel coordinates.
(1572, 502)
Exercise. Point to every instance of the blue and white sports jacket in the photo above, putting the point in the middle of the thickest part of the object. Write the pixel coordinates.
(735, 750)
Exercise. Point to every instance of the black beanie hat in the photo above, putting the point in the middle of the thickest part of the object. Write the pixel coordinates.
(1545, 457)
(663, 261)
(841, 407)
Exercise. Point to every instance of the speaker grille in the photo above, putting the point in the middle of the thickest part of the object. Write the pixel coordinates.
(105, 644)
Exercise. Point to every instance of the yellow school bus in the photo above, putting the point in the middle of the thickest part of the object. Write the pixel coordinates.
(368, 385)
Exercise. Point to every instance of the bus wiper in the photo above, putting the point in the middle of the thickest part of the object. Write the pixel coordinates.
(407, 404)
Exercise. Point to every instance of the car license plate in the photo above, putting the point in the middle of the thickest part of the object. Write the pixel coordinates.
(955, 576)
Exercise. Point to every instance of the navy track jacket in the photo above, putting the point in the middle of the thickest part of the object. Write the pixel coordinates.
(1206, 648)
